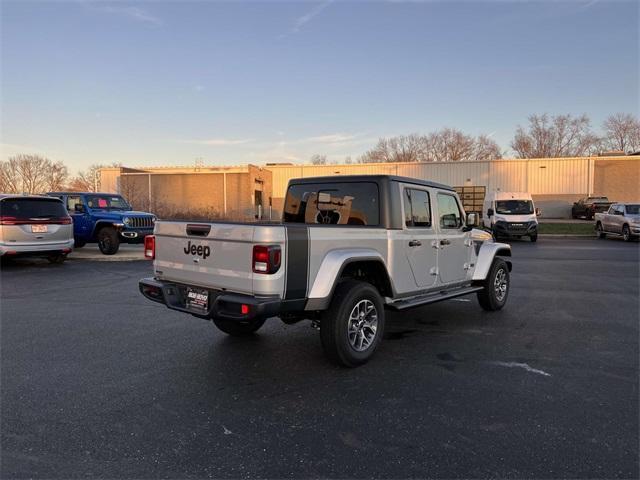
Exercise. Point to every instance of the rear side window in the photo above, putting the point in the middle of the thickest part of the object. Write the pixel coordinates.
(346, 203)
(417, 209)
(449, 211)
(28, 208)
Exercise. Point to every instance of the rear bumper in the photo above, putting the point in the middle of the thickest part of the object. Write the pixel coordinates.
(43, 250)
(220, 305)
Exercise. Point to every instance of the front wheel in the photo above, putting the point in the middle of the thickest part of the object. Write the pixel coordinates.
(77, 243)
(237, 328)
(533, 237)
(352, 328)
(108, 241)
(600, 231)
(496, 286)
(626, 233)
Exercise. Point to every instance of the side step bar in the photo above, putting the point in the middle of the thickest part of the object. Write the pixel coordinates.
(431, 298)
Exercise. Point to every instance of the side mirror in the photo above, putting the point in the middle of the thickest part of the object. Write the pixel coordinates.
(490, 212)
(472, 220)
(78, 208)
(538, 212)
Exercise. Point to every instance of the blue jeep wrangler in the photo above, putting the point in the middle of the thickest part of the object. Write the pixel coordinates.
(105, 218)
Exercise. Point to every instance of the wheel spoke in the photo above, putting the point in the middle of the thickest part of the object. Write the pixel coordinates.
(362, 325)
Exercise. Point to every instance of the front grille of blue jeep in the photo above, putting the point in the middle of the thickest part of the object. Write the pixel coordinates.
(140, 222)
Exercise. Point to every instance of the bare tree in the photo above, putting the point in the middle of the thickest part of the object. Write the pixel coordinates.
(10, 177)
(32, 174)
(87, 180)
(486, 148)
(319, 160)
(559, 136)
(622, 132)
(447, 145)
(347, 160)
(57, 176)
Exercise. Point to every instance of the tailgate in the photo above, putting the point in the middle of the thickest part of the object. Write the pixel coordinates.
(211, 255)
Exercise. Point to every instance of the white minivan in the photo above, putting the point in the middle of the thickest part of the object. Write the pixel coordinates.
(510, 215)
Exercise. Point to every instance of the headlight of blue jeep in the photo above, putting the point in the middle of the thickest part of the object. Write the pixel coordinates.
(126, 220)
(153, 218)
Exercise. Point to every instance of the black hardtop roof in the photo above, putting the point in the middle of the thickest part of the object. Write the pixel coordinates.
(363, 178)
(82, 193)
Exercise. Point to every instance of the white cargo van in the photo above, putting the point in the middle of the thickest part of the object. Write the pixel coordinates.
(510, 215)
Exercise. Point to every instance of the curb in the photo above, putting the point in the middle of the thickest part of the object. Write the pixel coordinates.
(565, 235)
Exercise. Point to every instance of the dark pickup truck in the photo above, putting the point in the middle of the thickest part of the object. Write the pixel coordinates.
(587, 207)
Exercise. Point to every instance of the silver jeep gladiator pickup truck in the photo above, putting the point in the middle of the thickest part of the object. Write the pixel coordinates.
(348, 248)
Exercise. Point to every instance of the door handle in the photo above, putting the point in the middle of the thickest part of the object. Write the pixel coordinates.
(415, 243)
(445, 242)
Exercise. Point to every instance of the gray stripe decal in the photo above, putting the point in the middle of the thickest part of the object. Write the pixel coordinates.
(297, 261)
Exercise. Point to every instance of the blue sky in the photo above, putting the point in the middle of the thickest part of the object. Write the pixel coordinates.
(159, 83)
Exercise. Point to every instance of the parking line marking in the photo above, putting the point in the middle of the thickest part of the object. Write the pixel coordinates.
(521, 365)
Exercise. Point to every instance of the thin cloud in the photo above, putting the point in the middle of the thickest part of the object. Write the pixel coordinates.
(133, 13)
(307, 17)
(333, 138)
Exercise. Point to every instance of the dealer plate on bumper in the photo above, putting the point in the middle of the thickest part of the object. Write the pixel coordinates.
(197, 298)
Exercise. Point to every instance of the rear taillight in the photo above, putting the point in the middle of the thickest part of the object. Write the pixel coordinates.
(35, 221)
(8, 220)
(150, 247)
(266, 259)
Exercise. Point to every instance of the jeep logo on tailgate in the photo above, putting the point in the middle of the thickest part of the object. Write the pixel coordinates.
(203, 250)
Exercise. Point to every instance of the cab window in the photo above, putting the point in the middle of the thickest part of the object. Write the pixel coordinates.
(72, 202)
(449, 211)
(417, 208)
(339, 203)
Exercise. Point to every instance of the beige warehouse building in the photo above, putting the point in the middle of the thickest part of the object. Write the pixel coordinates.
(245, 192)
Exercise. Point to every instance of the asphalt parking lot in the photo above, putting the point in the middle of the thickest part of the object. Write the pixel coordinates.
(98, 382)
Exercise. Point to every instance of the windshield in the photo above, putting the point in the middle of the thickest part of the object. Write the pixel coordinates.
(633, 209)
(514, 207)
(107, 202)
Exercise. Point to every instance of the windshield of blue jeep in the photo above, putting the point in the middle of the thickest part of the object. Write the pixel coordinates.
(514, 207)
(107, 202)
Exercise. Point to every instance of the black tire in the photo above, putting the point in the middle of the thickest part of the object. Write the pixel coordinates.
(488, 297)
(599, 231)
(534, 237)
(237, 328)
(108, 241)
(343, 335)
(626, 233)
(589, 216)
(77, 243)
(57, 259)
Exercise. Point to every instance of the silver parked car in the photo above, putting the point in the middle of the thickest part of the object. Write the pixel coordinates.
(34, 226)
(621, 219)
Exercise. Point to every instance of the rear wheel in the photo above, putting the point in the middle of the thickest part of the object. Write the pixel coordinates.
(496, 286)
(626, 233)
(108, 241)
(238, 328)
(57, 259)
(599, 231)
(352, 328)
